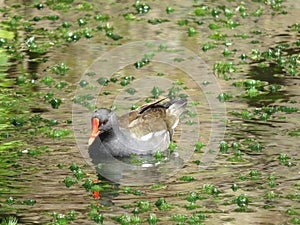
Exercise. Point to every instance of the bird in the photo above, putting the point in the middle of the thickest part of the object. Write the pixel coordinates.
(143, 131)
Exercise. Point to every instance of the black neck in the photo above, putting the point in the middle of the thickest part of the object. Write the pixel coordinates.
(108, 135)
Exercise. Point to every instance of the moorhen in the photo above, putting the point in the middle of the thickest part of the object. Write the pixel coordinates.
(143, 131)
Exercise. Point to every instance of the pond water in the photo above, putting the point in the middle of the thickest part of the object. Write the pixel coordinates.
(237, 154)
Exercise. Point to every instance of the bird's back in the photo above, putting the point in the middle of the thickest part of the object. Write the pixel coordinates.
(154, 119)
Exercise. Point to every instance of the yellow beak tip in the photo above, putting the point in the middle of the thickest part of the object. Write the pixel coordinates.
(91, 141)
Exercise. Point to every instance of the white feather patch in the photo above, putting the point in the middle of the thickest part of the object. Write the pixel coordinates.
(132, 124)
(147, 137)
(158, 133)
(175, 124)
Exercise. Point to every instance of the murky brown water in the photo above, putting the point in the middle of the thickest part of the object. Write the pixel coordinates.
(43, 179)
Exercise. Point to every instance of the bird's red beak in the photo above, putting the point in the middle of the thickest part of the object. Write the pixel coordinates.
(95, 130)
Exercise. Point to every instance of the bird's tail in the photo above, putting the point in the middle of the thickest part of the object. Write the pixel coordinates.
(175, 108)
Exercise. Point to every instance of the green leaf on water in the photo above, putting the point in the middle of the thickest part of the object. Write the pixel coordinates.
(172, 146)
(60, 69)
(6, 34)
(69, 181)
(186, 178)
(294, 133)
(242, 201)
(131, 91)
(55, 103)
(158, 155)
(162, 205)
(198, 146)
(103, 81)
(156, 91)
(207, 46)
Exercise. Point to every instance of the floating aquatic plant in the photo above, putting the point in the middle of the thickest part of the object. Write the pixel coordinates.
(192, 197)
(191, 206)
(208, 45)
(285, 160)
(275, 4)
(191, 31)
(10, 221)
(141, 8)
(69, 181)
(63, 219)
(223, 97)
(85, 6)
(201, 11)
(96, 217)
(235, 146)
(180, 218)
(198, 146)
(214, 26)
(143, 205)
(255, 147)
(172, 146)
(55, 103)
(215, 12)
(187, 178)
(60, 69)
(224, 68)
(169, 10)
(223, 146)
(217, 36)
(272, 180)
(152, 219)
(155, 21)
(242, 201)
(127, 219)
(142, 63)
(231, 24)
(226, 52)
(156, 92)
(258, 12)
(294, 133)
(234, 187)
(183, 22)
(103, 81)
(270, 195)
(210, 189)
(59, 5)
(254, 174)
(162, 205)
(196, 218)
(102, 17)
(158, 155)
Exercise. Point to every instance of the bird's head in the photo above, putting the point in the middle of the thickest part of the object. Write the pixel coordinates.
(101, 122)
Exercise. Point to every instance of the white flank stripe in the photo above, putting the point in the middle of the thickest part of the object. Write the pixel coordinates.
(147, 137)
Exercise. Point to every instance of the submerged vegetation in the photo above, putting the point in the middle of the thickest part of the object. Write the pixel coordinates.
(43, 50)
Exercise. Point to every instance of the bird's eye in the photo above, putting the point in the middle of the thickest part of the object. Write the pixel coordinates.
(104, 122)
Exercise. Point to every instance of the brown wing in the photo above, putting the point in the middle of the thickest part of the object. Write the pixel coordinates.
(143, 108)
(127, 119)
(151, 120)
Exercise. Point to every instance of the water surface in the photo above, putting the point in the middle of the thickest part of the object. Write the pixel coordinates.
(41, 177)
